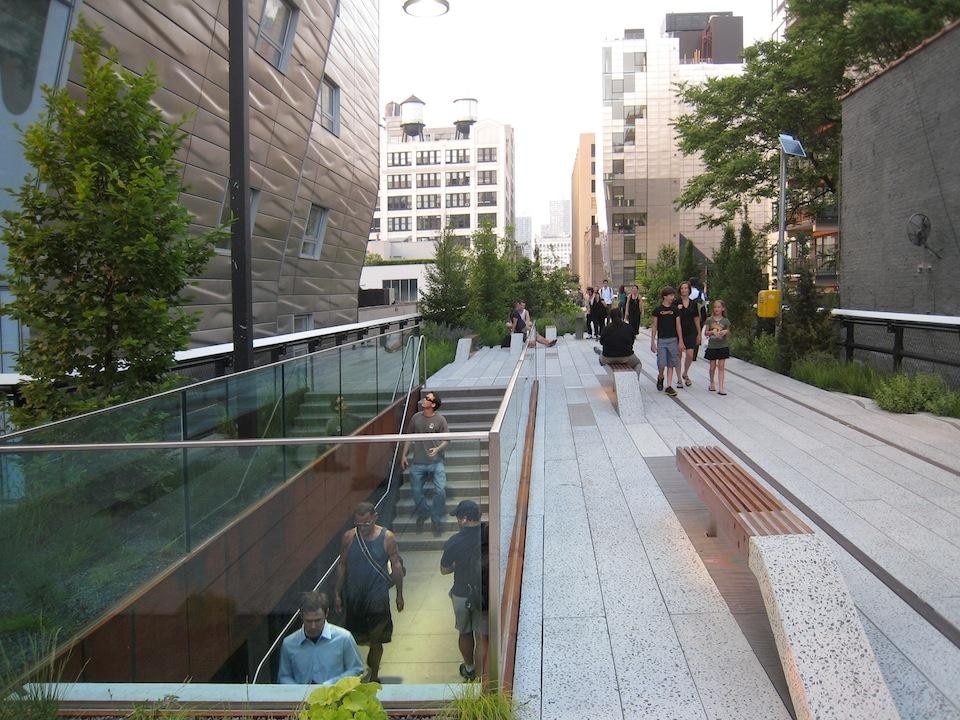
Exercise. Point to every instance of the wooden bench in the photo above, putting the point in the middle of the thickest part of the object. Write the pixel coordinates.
(827, 660)
(740, 508)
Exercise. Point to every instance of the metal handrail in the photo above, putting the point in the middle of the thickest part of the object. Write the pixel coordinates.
(393, 465)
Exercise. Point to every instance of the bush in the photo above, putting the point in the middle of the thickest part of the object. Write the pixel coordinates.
(923, 392)
(347, 698)
(765, 352)
(828, 372)
(741, 346)
(565, 324)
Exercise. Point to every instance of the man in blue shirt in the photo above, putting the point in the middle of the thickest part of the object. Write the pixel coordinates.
(320, 653)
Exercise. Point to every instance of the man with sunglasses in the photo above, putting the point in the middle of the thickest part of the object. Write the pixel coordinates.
(428, 460)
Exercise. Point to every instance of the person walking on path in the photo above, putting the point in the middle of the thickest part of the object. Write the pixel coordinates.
(463, 555)
(621, 297)
(717, 332)
(698, 294)
(595, 313)
(689, 313)
(617, 343)
(606, 297)
(666, 341)
(364, 578)
(634, 310)
(428, 460)
(320, 653)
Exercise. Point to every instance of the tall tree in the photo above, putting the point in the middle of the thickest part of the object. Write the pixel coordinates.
(664, 271)
(99, 245)
(445, 299)
(794, 86)
(688, 266)
(491, 276)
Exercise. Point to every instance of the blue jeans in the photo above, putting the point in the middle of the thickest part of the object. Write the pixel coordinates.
(438, 508)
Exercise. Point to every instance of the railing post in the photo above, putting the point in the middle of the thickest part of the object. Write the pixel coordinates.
(185, 474)
(897, 347)
(848, 326)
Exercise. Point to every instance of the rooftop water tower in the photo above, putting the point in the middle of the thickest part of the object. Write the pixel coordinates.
(411, 118)
(465, 115)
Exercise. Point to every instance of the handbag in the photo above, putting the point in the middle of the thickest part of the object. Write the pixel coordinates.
(365, 551)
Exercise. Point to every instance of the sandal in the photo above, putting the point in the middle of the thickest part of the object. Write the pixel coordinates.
(711, 388)
(721, 393)
(687, 381)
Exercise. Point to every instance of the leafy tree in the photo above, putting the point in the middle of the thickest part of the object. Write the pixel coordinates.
(688, 266)
(491, 276)
(445, 299)
(794, 86)
(805, 327)
(724, 258)
(99, 247)
(737, 275)
(664, 271)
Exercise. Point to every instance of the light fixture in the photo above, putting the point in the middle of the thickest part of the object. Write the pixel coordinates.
(789, 145)
(426, 8)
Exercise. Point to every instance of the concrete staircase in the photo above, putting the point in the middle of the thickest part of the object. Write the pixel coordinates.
(466, 410)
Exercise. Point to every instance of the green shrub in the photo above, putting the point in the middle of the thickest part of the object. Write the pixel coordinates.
(741, 346)
(765, 352)
(345, 699)
(474, 704)
(828, 372)
(438, 354)
(924, 392)
(565, 324)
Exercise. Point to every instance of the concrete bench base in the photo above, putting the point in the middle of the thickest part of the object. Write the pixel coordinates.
(464, 345)
(626, 382)
(828, 662)
(516, 343)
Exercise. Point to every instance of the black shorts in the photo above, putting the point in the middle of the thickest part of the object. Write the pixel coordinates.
(720, 353)
(690, 341)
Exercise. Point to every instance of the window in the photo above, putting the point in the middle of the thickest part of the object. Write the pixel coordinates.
(458, 156)
(593, 168)
(276, 32)
(487, 177)
(486, 199)
(302, 323)
(428, 222)
(487, 218)
(627, 223)
(330, 105)
(593, 149)
(629, 274)
(634, 62)
(428, 157)
(399, 202)
(487, 154)
(404, 290)
(398, 224)
(425, 180)
(629, 136)
(313, 234)
(617, 167)
(630, 83)
(632, 113)
(225, 244)
(455, 179)
(458, 200)
(428, 202)
(458, 222)
(398, 182)
(593, 186)
(616, 87)
(398, 158)
(618, 142)
(375, 225)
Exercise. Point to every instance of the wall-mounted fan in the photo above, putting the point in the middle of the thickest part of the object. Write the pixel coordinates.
(918, 231)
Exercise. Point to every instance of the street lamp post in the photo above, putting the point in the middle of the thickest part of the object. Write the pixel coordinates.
(789, 145)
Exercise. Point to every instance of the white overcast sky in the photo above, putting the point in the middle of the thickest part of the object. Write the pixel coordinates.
(532, 64)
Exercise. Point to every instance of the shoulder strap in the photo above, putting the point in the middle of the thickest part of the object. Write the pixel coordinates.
(366, 554)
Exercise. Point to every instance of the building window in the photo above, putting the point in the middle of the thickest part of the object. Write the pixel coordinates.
(487, 218)
(627, 223)
(593, 186)
(634, 62)
(455, 179)
(330, 105)
(629, 136)
(428, 180)
(303, 323)
(276, 32)
(458, 200)
(629, 274)
(458, 156)
(593, 149)
(618, 142)
(404, 290)
(398, 182)
(399, 202)
(428, 222)
(225, 243)
(428, 202)
(593, 168)
(428, 157)
(486, 199)
(314, 233)
(487, 177)
(375, 225)
(395, 159)
(487, 154)
(632, 113)
(458, 222)
(617, 167)
(398, 224)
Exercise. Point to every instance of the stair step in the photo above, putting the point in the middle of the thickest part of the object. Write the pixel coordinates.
(405, 505)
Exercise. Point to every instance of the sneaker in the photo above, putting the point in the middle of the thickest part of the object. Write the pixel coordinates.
(468, 675)
(660, 382)
(670, 391)
(437, 529)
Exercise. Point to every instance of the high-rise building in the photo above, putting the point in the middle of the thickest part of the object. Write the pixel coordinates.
(559, 217)
(779, 20)
(313, 77)
(456, 177)
(586, 260)
(643, 169)
(524, 235)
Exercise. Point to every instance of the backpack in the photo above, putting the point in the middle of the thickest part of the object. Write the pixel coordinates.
(478, 592)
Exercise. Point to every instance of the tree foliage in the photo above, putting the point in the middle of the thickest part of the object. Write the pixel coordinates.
(445, 299)
(491, 276)
(664, 271)
(688, 266)
(99, 246)
(794, 86)
(805, 326)
(737, 274)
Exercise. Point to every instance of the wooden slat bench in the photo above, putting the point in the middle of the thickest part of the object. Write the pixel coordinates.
(740, 508)
(827, 660)
(626, 384)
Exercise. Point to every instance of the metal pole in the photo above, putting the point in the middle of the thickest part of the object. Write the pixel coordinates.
(241, 280)
(783, 221)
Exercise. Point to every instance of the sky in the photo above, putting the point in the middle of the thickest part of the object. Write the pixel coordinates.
(530, 65)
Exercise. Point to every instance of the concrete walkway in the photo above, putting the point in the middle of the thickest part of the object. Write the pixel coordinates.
(620, 617)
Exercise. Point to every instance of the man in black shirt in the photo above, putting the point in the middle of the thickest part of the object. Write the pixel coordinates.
(463, 556)
(617, 342)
